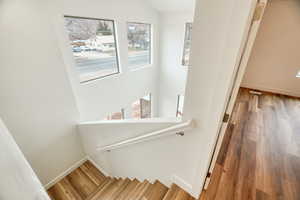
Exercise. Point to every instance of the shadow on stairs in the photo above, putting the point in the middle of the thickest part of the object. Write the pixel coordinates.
(88, 183)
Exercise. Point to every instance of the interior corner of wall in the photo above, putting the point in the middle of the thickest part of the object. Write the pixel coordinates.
(102, 163)
(183, 184)
(270, 89)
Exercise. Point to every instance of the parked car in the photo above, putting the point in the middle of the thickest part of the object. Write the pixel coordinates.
(91, 48)
(85, 48)
(76, 49)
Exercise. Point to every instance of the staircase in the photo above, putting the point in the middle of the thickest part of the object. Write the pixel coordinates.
(88, 183)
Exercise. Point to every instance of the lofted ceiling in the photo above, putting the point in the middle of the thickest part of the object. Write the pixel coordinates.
(173, 5)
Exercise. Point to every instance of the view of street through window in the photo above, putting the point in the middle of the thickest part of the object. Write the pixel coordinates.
(94, 46)
(139, 44)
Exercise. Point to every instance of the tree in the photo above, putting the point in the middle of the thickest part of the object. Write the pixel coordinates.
(83, 29)
(138, 35)
(104, 28)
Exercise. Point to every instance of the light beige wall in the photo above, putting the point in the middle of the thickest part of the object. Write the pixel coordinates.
(275, 58)
(36, 100)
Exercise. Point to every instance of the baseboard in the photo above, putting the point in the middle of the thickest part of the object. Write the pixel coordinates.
(65, 173)
(272, 90)
(183, 184)
(98, 167)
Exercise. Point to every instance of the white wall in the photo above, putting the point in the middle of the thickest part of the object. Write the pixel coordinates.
(274, 61)
(218, 31)
(41, 115)
(36, 100)
(114, 131)
(172, 75)
(97, 99)
(18, 181)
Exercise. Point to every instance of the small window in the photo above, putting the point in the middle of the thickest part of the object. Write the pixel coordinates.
(116, 115)
(94, 47)
(179, 110)
(298, 75)
(142, 108)
(139, 44)
(187, 44)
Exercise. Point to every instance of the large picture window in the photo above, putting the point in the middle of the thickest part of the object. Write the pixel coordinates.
(94, 47)
(187, 44)
(139, 44)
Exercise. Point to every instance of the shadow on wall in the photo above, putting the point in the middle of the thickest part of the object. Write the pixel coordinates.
(274, 62)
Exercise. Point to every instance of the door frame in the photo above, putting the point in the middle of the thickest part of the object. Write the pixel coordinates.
(241, 68)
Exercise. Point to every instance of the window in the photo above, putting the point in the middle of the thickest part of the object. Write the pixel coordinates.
(187, 44)
(139, 44)
(142, 108)
(179, 110)
(94, 47)
(116, 115)
(298, 75)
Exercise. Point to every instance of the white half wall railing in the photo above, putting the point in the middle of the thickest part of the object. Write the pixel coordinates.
(132, 139)
(177, 129)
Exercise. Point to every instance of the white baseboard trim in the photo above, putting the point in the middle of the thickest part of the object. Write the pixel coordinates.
(65, 173)
(98, 167)
(273, 90)
(183, 184)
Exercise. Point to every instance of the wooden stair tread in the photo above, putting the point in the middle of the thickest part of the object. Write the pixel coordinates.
(51, 193)
(133, 191)
(140, 190)
(83, 185)
(95, 175)
(147, 192)
(88, 183)
(103, 190)
(108, 193)
(63, 190)
(176, 193)
(182, 195)
(191, 198)
(172, 192)
(130, 187)
(100, 187)
(156, 192)
(121, 189)
(94, 170)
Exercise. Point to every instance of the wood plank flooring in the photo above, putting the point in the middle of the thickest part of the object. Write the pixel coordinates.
(260, 154)
(88, 183)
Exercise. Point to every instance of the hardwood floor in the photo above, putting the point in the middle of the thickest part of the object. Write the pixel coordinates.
(88, 183)
(260, 153)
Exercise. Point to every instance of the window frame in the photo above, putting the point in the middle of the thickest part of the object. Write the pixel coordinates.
(183, 62)
(178, 103)
(116, 45)
(136, 67)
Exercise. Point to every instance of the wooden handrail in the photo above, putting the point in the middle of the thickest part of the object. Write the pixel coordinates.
(177, 129)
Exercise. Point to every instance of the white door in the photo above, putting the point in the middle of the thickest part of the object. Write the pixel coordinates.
(248, 44)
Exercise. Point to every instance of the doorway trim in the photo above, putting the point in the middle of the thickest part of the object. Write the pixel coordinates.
(244, 58)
